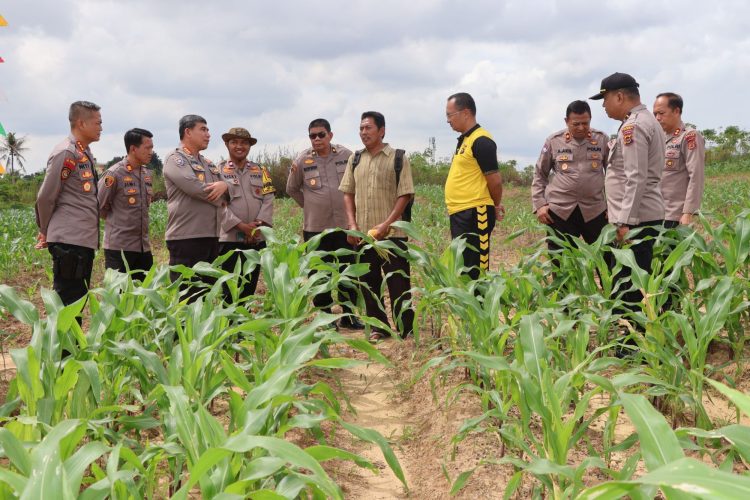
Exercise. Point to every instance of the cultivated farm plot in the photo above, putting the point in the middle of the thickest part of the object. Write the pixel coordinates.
(156, 397)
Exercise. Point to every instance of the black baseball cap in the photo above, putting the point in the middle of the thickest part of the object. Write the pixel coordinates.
(615, 81)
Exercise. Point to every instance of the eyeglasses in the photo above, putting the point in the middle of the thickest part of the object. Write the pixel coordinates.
(448, 115)
(319, 135)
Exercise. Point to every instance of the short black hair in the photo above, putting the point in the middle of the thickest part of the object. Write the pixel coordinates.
(377, 117)
(79, 108)
(464, 101)
(320, 122)
(674, 101)
(190, 121)
(578, 107)
(134, 137)
(631, 92)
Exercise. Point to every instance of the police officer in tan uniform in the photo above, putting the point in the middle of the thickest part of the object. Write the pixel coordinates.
(125, 194)
(567, 192)
(636, 158)
(683, 177)
(67, 212)
(196, 195)
(313, 182)
(251, 195)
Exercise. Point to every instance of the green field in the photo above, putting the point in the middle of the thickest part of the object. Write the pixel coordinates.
(162, 398)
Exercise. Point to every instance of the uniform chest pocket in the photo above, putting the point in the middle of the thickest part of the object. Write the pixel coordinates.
(564, 162)
(199, 172)
(256, 185)
(132, 195)
(594, 159)
(674, 154)
(341, 170)
(232, 180)
(312, 179)
(85, 178)
(235, 190)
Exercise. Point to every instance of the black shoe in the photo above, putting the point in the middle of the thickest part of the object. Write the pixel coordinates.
(351, 322)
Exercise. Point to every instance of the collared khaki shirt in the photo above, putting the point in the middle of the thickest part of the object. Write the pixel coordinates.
(683, 177)
(67, 210)
(190, 214)
(125, 194)
(373, 184)
(570, 173)
(636, 158)
(313, 183)
(251, 195)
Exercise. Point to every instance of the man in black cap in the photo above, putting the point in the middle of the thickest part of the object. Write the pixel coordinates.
(636, 159)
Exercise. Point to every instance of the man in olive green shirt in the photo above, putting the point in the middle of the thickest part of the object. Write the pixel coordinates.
(374, 199)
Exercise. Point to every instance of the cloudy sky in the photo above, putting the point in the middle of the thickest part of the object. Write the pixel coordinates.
(273, 66)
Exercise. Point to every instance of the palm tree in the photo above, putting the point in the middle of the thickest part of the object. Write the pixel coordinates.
(11, 150)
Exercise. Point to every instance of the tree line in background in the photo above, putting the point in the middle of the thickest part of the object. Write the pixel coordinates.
(727, 150)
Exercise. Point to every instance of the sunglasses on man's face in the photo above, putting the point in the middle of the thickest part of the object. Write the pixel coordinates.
(319, 135)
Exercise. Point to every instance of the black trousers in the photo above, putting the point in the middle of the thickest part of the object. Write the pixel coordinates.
(71, 270)
(574, 227)
(476, 225)
(330, 243)
(398, 281)
(138, 262)
(188, 253)
(643, 252)
(249, 287)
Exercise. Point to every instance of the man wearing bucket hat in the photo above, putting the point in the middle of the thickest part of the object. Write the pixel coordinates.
(250, 206)
(632, 182)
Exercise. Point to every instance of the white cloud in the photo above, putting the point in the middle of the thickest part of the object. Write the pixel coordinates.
(274, 66)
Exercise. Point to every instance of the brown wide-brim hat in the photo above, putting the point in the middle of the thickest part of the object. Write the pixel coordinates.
(238, 133)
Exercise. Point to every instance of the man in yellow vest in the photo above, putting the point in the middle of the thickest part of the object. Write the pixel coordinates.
(474, 188)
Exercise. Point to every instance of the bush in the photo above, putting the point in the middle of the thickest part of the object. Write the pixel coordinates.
(425, 171)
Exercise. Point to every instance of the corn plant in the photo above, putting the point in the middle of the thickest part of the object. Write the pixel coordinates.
(669, 470)
(151, 364)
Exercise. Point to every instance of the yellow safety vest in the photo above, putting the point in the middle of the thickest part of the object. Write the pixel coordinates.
(466, 186)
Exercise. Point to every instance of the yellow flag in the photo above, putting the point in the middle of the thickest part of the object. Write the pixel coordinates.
(3, 22)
